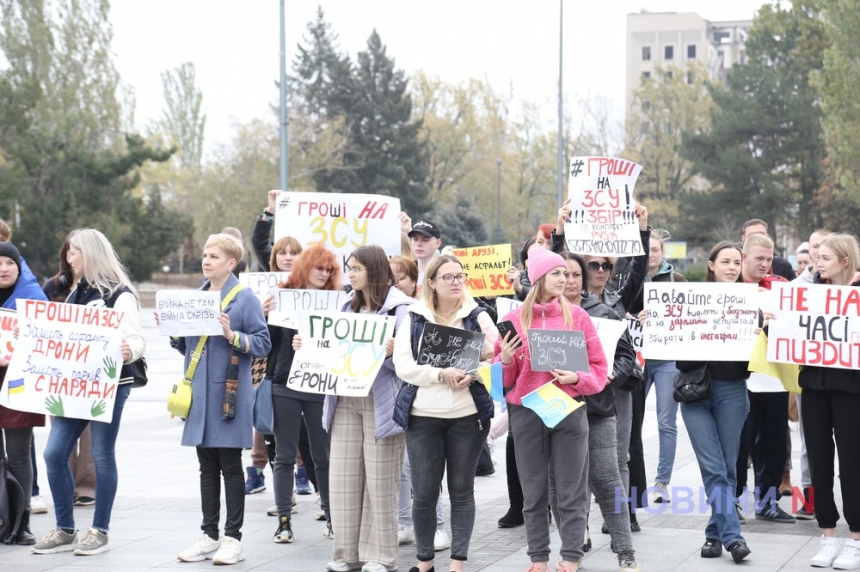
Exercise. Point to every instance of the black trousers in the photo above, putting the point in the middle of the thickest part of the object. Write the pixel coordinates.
(764, 435)
(515, 489)
(636, 464)
(215, 462)
(825, 414)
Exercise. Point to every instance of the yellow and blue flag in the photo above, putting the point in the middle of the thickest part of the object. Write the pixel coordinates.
(551, 404)
(491, 377)
(16, 386)
(787, 373)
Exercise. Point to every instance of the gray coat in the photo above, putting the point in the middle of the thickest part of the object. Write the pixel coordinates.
(387, 384)
(204, 426)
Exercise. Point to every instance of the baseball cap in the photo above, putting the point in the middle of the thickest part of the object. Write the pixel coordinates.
(426, 228)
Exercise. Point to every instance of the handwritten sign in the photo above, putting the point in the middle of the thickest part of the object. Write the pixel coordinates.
(603, 218)
(558, 349)
(340, 221)
(8, 321)
(188, 312)
(634, 328)
(609, 332)
(551, 404)
(341, 353)
(487, 267)
(702, 321)
(291, 302)
(815, 324)
(67, 361)
(443, 347)
(260, 283)
(505, 306)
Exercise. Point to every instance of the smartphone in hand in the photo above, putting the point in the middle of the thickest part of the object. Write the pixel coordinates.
(505, 327)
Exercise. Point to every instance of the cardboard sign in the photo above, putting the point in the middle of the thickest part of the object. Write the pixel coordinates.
(188, 312)
(292, 302)
(8, 321)
(609, 331)
(67, 361)
(261, 283)
(443, 347)
(634, 328)
(487, 267)
(505, 306)
(703, 321)
(603, 218)
(340, 221)
(551, 404)
(558, 349)
(815, 324)
(341, 353)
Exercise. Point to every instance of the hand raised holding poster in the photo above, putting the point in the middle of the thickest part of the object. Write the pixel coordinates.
(602, 207)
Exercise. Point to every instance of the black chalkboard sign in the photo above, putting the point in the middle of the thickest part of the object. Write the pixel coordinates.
(558, 349)
(442, 346)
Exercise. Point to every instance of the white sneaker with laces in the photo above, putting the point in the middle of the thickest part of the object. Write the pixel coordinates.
(441, 540)
(830, 549)
(849, 559)
(204, 548)
(405, 534)
(342, 566)
(231, 552)
(376, 567)
(37, 505)
(660, 493)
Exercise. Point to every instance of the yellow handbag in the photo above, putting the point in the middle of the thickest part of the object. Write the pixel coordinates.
(179, 400)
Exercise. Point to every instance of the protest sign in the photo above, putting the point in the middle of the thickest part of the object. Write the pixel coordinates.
(291, 302)
(703, 321)
(815, 324)
(67, 361)
(609, 332)
(487, 267)
(341, 353)
(634, 328)
(8, 321)
(558, 349)
(505, 306)
(188, 312)
(551, 404)
(443, 347)
(602, 208)
(260, 283)
(340, 221)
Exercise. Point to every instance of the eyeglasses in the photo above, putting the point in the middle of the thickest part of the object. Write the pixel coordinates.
(452, 278)
(354, 270)
(323, 270)
(595, 266)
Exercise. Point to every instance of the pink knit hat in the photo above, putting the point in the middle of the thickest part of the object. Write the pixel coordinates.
(542, 261)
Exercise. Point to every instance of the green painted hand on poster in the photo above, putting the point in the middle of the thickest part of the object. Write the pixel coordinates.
(98, 408)
(110, 367)
(54, 405)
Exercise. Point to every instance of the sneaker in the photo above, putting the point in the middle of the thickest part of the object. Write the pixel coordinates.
(273, 510)
(303, 484)
(711, 548)
(85, 501)
(342, 566)
(204, 548)
(803, 514)
(94, 542)
(320, 511)
(627, 562)
(37, 505)
(775, 514)
(740, 511)
(441, 540)
(660, 493)
(405, 534)
(827, 553)
(256, 482)
(329, 531)
(284, 534)
(58, 540)
(376, 567)
(739, 550)
(849, 559)
(231, 552)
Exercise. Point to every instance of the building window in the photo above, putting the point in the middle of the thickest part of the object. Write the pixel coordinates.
(670, 74)
(646, 53)
(691, 52)
(690, 78)
(668, 52)
(646, 75)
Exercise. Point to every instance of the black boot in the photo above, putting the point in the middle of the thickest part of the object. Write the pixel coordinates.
(25, 536)
(634, 524)
(514, 517)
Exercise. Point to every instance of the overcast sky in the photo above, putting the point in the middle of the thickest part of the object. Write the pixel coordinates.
(513, 44)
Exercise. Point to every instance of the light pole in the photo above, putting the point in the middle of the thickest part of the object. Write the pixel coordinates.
(498, 197)
(283, 106)
(560, 142)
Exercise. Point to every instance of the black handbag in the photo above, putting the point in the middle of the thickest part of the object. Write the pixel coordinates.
(139, 373)
(693, 385)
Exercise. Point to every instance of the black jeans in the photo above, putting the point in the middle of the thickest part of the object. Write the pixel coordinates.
(636, 464)
(432, 444)
(764, 435)
(214, 462)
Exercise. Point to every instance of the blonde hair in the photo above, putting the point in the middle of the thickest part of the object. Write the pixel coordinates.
(282, 244)
(102, 268)
(536, 293)
(844, 246)
(5, 231)
(757, 239)
(428, 294)
(661, 235)
(228, 244)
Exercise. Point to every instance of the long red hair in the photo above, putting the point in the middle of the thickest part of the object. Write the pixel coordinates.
(311, 257)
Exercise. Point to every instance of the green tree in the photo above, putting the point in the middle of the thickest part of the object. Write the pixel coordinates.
(182, 121)
(462, 224)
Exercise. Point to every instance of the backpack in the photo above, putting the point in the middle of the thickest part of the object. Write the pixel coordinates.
(12, 504)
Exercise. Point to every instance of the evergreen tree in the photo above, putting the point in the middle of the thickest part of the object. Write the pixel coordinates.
(462, 224)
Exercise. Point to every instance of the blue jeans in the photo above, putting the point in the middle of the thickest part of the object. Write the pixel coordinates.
(663, 376)
(65, 432)
(714, 426)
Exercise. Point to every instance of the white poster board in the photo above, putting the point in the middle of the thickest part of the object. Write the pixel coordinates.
(505, 306)
(260, 283)
(188, 312)
(292, 302)
(609, 332)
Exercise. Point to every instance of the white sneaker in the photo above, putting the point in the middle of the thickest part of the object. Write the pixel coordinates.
(320, 511)
(38, 506)
(830, 549)
(441, 540)
(342, 566)
(660, 493)
(204, 548)
(328, 532)
(376, 567)
(405, 534)
(849, 559)
(231, 552)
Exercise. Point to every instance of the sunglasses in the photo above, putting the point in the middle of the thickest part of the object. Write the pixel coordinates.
(595, 266)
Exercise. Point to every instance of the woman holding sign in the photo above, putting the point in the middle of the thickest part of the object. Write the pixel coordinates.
(17, 426)
(104, 283)
(563, 448)
(831, 401)
(714, 425)
(446, 415)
